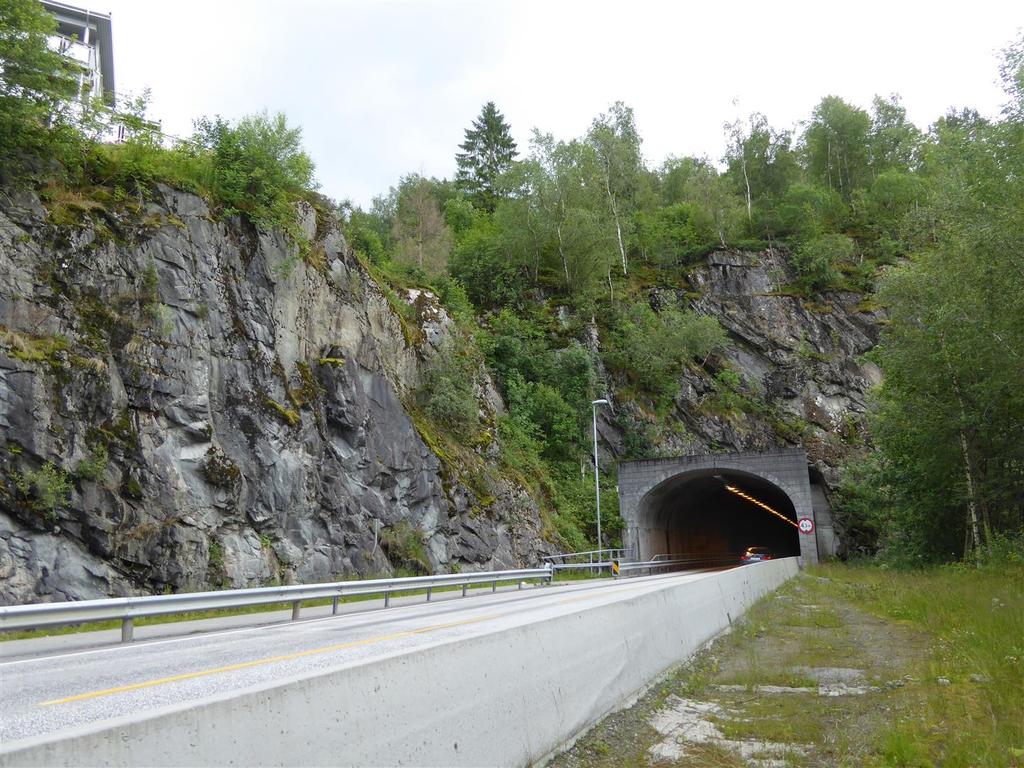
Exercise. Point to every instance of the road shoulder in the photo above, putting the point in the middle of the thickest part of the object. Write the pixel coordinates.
(805, 679)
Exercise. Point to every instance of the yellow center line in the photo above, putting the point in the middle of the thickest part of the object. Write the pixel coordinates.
(268, 660)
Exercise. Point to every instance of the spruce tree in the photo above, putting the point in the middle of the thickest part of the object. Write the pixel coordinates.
(487, 152)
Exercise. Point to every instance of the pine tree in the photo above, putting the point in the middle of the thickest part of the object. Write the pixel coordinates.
(487, 152)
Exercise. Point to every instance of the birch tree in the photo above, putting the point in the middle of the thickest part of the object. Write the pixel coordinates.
(617, 146)
(761, 165)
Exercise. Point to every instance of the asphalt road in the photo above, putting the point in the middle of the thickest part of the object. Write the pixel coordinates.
(55, 686)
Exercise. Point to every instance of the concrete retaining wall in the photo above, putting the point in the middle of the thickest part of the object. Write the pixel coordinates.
(506, 698)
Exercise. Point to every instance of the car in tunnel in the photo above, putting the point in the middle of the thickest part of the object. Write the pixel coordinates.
(755, 555)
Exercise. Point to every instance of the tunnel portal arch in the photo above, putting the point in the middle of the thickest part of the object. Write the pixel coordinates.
(681, 505)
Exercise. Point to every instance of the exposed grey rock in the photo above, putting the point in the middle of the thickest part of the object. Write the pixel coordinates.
(249, 404)
(799, 364)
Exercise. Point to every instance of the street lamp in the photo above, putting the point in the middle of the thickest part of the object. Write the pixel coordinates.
(597, 482)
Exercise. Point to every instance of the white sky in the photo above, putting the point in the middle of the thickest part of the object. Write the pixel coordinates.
(387, 87)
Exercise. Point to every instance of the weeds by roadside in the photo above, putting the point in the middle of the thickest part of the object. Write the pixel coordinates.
(843, 666)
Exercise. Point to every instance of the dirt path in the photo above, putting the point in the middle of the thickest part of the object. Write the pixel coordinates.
(806, 679)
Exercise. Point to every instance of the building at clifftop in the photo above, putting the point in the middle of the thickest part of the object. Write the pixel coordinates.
(85, 36)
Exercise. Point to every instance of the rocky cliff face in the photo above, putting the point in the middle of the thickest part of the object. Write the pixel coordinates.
(186, 403)
(793, 373)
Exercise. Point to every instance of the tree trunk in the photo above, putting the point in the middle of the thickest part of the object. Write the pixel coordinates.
(965, 455)
(615, 215)
(972, 510)
(618, 232)
(828, 161)
(746, 181)
(561, 252)
(536, 246)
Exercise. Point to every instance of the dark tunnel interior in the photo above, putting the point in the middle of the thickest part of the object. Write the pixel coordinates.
(696, 514)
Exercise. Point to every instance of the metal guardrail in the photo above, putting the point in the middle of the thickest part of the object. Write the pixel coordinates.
(595, 566)
(590, 556)
(126, 609)
(661, 562)
(657, 563)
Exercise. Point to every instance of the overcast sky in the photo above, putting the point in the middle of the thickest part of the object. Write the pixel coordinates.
(388, 87)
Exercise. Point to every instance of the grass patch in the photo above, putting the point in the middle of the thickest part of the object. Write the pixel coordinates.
(784, 728)
(754, 676)
(708, 756)
(286, 414)
(801, 616)
(34, 349)
(976, 617)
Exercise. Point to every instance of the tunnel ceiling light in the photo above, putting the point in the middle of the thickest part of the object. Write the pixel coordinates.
(761, 504)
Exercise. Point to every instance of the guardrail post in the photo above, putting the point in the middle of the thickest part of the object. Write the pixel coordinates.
(494, 587)
(464, 588)
(387, 599)
(429, 590)
(296, 606)
(127, 630)
(334, 606)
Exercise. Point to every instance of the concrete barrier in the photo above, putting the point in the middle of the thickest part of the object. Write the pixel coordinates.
(506, 698)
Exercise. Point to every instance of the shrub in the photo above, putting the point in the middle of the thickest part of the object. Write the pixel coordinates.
(676, 233)
(258, 166)
(367, 243)
(446, 391)
(555, 423)
(219, 470)
(51, 486)
(405, 547)
(482, 264)
(452, 294)
(807, 211)
(650, 348)
(816, 260)
(93, 467)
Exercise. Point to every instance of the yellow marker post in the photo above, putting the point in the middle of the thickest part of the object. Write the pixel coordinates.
(615, 568)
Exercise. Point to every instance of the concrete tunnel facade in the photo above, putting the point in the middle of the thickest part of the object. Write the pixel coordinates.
(682, 506)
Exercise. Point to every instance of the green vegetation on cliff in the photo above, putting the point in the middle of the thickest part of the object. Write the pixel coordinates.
(564, 261)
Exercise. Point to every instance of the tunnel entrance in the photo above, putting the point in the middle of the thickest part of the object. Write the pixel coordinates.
(717, 514)
(718, 505)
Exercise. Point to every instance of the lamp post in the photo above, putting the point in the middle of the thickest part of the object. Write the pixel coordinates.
(597, 482)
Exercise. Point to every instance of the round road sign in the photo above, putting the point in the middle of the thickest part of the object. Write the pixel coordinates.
(806, 525)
